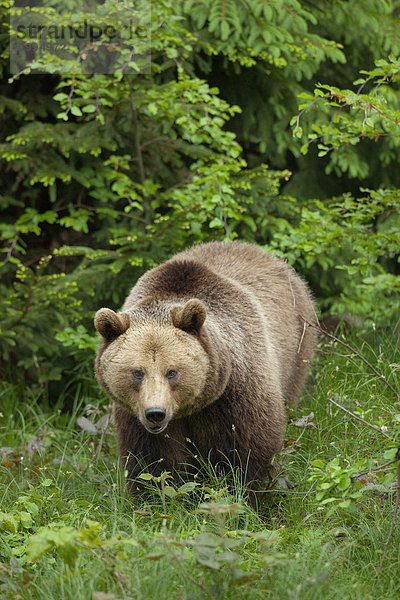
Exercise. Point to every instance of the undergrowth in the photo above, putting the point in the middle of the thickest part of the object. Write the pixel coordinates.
(69, 529)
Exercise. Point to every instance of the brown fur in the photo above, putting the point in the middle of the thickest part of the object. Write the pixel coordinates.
(227, 318)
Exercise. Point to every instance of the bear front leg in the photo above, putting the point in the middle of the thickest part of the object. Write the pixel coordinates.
(142, 452)
(234, 434)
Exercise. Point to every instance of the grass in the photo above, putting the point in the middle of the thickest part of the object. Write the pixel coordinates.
(70, 531)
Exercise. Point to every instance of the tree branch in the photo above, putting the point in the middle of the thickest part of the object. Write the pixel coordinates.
(11, 249)
(359, 418)
(386, 464)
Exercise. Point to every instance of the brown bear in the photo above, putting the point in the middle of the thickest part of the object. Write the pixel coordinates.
(200, 361)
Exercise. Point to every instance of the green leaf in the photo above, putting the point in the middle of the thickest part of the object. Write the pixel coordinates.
(60, 96)
(169, 491)
(154, 556)
(225, 30)
(9, 522)
(240, 576)
(318, 463)
(326, 486)
(215, 223)
(75, 110)
(187, 487)
(390, 453)
(206, 557)
(38, 545)
(146, 476)
(89, 108)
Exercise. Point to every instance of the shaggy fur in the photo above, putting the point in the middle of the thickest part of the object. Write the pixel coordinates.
(215, 340)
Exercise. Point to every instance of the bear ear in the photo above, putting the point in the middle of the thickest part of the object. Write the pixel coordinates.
(109, 324)
(190, 317)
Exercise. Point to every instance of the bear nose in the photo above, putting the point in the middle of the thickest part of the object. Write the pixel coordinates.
(155, 415)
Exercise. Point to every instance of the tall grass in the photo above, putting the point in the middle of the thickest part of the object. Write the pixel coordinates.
(64, 487)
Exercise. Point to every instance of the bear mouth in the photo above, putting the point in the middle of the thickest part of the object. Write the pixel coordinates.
(156, 428)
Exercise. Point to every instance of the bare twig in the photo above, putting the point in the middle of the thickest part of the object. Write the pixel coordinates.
(304, 110)
(302, 337)
(396, 508)
(362, 86)
(69, 99)
(356, 353)
(223, 220)
(386, 464)
(293, 296)
(359, 418)
(282, 491)
(161, 138)
(126, 63)
(11, 249)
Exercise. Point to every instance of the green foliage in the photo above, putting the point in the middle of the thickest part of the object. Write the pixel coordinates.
(107, 174)
(317, 43)
(371, 112)
(122, 204)
(362, 233)
(68, 541)
(16, 523)
(335, 484)
(346, 246)
(276, 32)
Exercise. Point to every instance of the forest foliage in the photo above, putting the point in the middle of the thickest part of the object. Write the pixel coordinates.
(272, 122)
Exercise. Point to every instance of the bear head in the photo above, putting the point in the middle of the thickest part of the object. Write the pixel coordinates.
(155, 368)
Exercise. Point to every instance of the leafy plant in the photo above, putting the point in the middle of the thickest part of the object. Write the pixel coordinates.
(370, 112)
(335, 483)
(69, 541)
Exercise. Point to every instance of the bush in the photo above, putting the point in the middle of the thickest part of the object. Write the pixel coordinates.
(109, 174)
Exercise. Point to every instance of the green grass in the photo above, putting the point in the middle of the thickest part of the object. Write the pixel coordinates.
(69, 530)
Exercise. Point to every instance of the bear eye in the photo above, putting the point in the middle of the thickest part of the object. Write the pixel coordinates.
(138, 374)
(171, 374)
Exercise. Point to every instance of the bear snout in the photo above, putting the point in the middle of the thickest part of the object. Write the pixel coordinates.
(155, 419)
